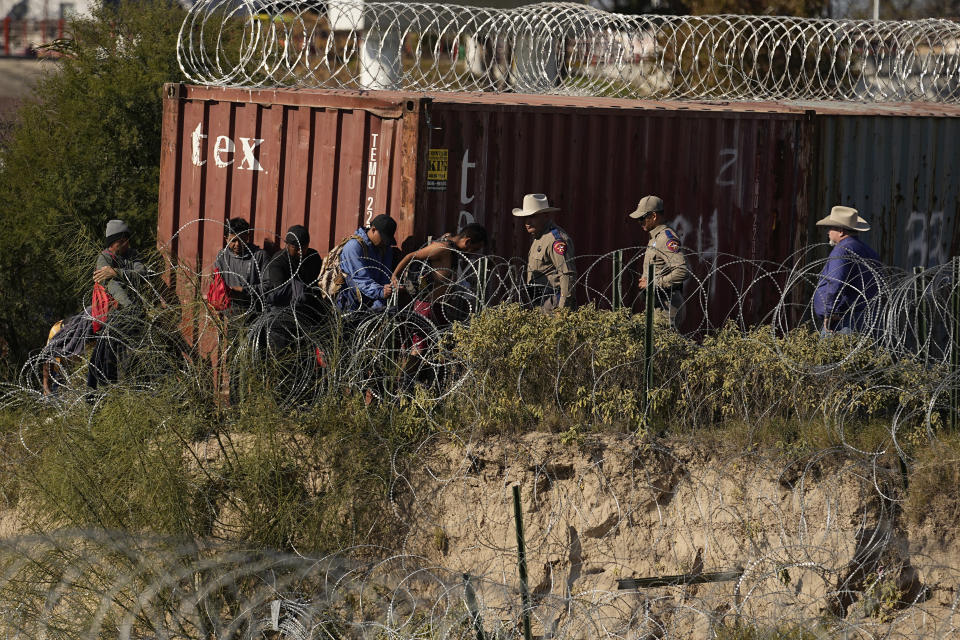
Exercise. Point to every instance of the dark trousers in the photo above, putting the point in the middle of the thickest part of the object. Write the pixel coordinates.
(112, 345)
(104, 363)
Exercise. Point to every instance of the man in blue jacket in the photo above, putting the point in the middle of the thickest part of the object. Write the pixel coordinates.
(367, 264)
(848, 282)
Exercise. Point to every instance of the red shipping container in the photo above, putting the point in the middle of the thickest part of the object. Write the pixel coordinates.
(733, 177)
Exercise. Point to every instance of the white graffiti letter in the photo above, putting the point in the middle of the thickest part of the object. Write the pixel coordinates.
(195, 139)
(725, 182)
(917, 239)
(464, 168)
(249, 161)
(937, 253)
(465, 218)
(223, 146)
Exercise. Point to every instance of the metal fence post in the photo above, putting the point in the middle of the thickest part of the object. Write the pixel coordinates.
(955, 346)
(522, 563)
(483, 269)
(919, 288)
(471, 599)
(617, 296)
(648, 346)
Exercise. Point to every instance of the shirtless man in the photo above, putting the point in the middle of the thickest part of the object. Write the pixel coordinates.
(439, 261)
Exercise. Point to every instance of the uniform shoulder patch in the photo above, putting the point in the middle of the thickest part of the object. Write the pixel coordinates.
(673, 242)
(560, 247)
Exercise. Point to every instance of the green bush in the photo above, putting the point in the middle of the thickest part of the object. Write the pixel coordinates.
(740, 631)
(757, 374)
(584, 369)
(86, 148)
(253, 475)
(586, 364)
(313, 473)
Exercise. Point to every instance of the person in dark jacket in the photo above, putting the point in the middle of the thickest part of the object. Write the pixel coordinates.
(66, 342)
(367, 266)
(119, 270)
(848, 288)
(292, 273)
(241, 264)
(292, 308)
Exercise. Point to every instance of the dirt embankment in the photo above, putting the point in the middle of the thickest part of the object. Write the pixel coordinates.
(820, 542)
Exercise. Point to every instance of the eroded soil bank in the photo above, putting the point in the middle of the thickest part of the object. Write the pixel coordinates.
(823, 542)
(827, 545)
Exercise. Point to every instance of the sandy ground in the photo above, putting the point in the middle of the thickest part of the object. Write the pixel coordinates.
(814, 538)
(821, 542)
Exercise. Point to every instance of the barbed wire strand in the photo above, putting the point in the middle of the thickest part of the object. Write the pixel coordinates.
(567, 49)
(817, 549)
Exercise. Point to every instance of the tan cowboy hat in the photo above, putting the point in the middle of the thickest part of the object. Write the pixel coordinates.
(647, 205)
(845, 218)
(534, 203)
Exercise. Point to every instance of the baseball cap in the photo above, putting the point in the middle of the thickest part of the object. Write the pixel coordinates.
(647, 205)
(387, 227)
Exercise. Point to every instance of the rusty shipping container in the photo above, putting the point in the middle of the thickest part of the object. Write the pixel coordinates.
(733, 176)
(901, 168)
(740, 180)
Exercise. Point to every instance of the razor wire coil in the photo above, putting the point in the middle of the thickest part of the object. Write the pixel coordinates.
(582, 519)
(567, 49)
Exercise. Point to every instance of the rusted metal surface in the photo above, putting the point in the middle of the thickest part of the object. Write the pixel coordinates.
(732, 181)
(739, 180)
(275, 159)
(902, 173)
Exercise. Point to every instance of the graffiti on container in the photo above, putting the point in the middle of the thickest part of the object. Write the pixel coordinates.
(925, 238)
(465, 217)
(724, 180)
(224, 148)
(371, 178)
(705, 242)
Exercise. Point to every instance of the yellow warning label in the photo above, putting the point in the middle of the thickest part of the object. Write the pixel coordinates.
(437, 170)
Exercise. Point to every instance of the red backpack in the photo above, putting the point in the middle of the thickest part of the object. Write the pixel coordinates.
(100, 306)
(218, 296)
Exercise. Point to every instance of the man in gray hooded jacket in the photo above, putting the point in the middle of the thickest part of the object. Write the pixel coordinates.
(118, 267)
(241, 264)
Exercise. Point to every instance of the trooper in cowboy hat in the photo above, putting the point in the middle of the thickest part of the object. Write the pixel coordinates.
(847, 292)
(551, 272)
(664, 253)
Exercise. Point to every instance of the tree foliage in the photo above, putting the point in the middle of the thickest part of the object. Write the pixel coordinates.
(905, 9)
(86, 148)
(854, 9)
(802, 8)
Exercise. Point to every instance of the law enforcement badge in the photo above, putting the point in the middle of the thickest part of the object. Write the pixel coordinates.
(560, 247)
(673, 243)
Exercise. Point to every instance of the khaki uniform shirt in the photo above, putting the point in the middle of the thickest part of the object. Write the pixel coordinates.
(669, 264)
(550, 264)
